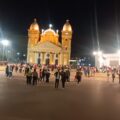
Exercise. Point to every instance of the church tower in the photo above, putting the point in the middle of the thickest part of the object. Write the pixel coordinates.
(66, 42)
(33, 38)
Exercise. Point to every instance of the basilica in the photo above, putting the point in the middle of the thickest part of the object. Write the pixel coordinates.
(47, 47)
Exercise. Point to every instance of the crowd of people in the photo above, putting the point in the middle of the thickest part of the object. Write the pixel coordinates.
(35, 73)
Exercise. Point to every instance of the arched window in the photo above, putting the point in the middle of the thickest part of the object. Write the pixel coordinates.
(56, 62)
(48, 55)
(56, 55)
(39, 55)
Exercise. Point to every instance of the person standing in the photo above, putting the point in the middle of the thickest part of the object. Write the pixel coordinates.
(113, 75)
(68, 75)
(119, 75)
(35, 77)
(88, 71)
(10, 71)
(43, 74)
(108, 74)
(16, 68)
(63, 77)
(57, 78)
(7, 71)
(40, 74)
(47, 75)
(78, 76)
(28, 76)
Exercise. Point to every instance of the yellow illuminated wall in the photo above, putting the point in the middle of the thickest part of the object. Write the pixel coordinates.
(49, 35)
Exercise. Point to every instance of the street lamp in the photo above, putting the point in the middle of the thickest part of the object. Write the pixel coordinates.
(94, 53)
(18, 53)
(24, 55)
(97, 53)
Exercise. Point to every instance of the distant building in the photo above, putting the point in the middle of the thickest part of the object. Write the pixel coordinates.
(109, 60)
(44, 46)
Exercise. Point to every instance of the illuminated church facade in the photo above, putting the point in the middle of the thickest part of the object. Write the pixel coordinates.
(44, 46)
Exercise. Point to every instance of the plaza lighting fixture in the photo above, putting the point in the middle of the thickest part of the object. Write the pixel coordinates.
(97, 53)
(94, 53)
(24, 55)
(5, 42)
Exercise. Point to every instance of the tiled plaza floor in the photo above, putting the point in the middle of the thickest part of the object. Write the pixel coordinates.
(91, 100)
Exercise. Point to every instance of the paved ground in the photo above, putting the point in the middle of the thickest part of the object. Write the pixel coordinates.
(91, 100)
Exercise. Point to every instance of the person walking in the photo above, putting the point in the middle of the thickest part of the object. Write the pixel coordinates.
(57, 78)
(35, 77)
(63, 77)
(79, 76)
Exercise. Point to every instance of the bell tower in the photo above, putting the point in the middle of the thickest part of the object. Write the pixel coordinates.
(33, 38)
(33, 34)
(66, 42)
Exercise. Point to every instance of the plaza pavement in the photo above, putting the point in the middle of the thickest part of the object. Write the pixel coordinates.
(94, 99)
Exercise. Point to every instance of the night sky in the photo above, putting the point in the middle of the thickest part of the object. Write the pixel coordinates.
(16, 17)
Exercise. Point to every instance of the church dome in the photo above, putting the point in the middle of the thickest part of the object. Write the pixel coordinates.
(67, 27)
(34, 25)
(49, 35)
(49, 32)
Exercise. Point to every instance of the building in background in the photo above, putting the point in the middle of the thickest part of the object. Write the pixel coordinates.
(45, 48)
(108, 60)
